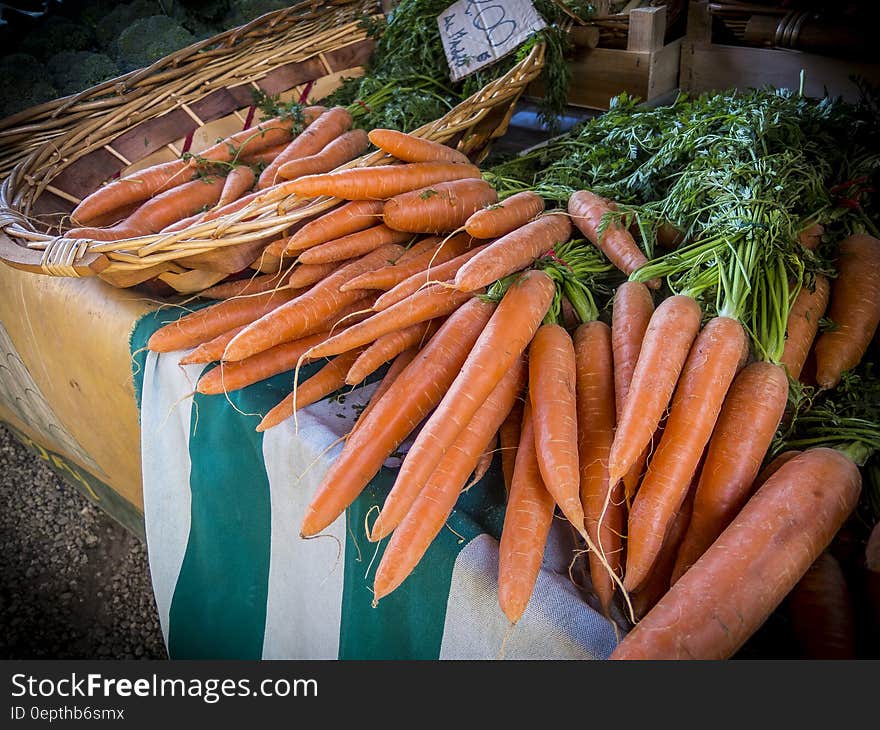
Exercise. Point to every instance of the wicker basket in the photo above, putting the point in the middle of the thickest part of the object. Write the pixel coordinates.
(201, 92)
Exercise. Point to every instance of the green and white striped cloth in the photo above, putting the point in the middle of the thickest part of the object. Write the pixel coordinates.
(233, 579)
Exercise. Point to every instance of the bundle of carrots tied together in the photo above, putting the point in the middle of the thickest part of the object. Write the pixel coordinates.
(647, 433)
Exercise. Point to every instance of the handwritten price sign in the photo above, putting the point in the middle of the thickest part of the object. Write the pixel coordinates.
(476, 33)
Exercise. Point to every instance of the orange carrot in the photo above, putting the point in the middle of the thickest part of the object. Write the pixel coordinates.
(394, 370)
(317, 135)
(433, 274)
(387, 347)
(183, 223)
(416, 258)
(337, 152)
(587, 210)
(327, 380)
(264, 156)
(408, 400)
(710, 368)
(508, 438)
(438, 208)
(484, 462)
(630, 315)
(603, 503)
(671, 331)
(504, 339)
(205, 324)
(505, 217)
(352, 217)
(749, 418)
(437, 499)
(308, 274)
(409, 148)
(352, 245)
(211, 350)
(527, 522)
(730, 591)
(250, 285)
(379, 183)
(803, 325)
(262, 136)
(290, 320)
(854, 310)
(774, 466)
(811, 236)
(513, 252)
(238, 182)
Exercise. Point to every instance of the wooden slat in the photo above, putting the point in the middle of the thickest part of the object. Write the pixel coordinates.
(290, 75)
(355, 54)
(215, 105)
(153, 134)
(647, 29)
(85, 174)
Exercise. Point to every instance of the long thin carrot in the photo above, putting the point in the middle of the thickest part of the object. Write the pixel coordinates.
(211, 350)
(630, 314)
(587, 210)
(603, 503)
(803, 325)
(504, 339)
(317, 135)
(438, 208)
(351, 217)
(409, 148)
(774, 466)
(730, 591)
(508, 441)
(416, 258)
(811, 236)
(337, 152)
(409, 399)
(433, 274)
(745, 428)
(308, 274)
(394, 370)
(238, 182)
(527, 521)
(262, 136)
(327, 380)
(204, 324)
(513, 252)
(434, 504)
(379, 183)
(429, 303)
(484, 462)
(250, 285)
(671, 331)
(352, 245)
(505, 217)
(854, 310)
(265, 156)
(387, 347)
(315, 305)
(710, 368)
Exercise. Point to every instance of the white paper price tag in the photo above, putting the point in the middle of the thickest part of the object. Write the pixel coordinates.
(476, 33)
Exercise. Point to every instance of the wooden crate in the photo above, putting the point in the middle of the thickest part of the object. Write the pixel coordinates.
(647, 67)
(708, 66)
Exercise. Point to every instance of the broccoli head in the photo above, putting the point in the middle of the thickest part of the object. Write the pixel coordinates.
(244, 11)
(25, 83)
(109, 27)
(56, 33)
(73, 71)
(149, 39)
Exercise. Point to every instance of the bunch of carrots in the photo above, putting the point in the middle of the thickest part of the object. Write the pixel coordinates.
(648, 432)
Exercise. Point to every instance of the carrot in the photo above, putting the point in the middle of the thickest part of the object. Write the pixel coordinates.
(348, 218)
(732, 589)
(505, 217)
(211, 350)
(394, 370)
(317, 135)
(229, 208)
(438, 208)
(630, 314)
(669, 236)
(433, 274)
(803, 325)
(380, 183)
(527, 522)
(389, 346)
(811, 236)
(710, 368)
(183, 223)
(513, 252)
(774, 466)
(293, 318)
(671, 331)
(352, 245)
(409, 148)
(587, 210)
(484, 462)
(416, 258)
(437, 499)
(854, 310)
(158, 212)
(504, 339)
(821, 610)
(327, 380)
(337, 152)
(308, 274)
(204, 324)
(249, 285)
(429, 303)
(238, 182)
(603, 503)
(265, 156)
(749, 418)
(508, 438)
(266, 134)
(407, 401)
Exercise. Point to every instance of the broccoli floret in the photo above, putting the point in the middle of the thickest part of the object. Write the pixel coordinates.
(73, 71)
(109, 28)
(54, 34)
(25, 83)
(243, 11)
(149, 39)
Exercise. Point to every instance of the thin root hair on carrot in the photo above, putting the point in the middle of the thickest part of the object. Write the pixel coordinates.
(504, 639)
(319, 457)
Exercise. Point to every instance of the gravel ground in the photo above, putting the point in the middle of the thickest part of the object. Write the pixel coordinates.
(74, 584)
